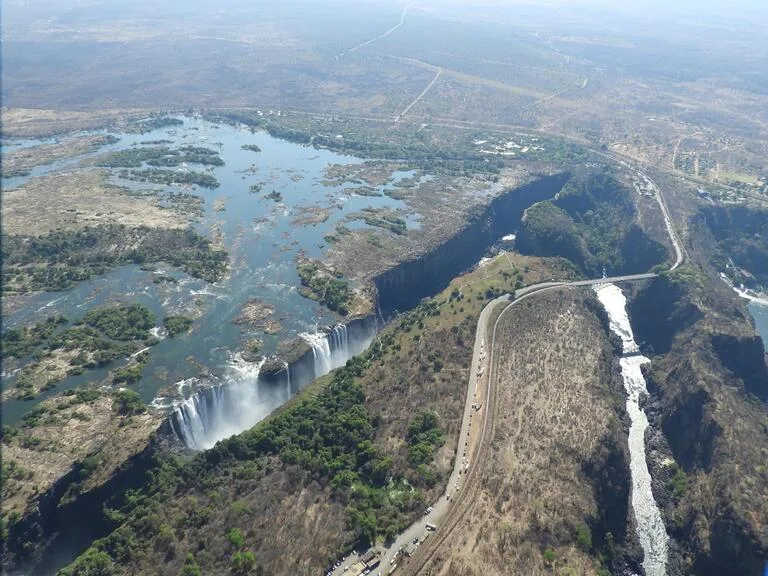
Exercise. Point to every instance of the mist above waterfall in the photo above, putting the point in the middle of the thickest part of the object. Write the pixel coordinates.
(226, 408)
(243, 398)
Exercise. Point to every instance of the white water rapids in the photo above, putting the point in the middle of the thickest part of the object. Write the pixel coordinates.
(650, 526)
(242, 400)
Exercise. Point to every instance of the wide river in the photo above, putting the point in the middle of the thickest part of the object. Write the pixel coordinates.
(261, 235)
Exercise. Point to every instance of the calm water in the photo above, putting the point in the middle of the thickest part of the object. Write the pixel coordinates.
(760, 314)
(259, 234)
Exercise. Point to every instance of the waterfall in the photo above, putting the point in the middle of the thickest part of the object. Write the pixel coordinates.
(287, 391)
(650, 526)
(288, 375)
(242, 399)
(331, 348)
(217, 412)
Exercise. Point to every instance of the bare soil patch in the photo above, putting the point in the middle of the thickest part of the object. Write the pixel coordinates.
(553, 410)
(75, 199)
(32, 122)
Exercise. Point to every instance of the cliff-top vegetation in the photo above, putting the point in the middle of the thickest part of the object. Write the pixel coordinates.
(592, 222)
(357, 465)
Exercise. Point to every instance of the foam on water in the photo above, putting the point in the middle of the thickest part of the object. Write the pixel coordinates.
(650, 526)
(241, 400)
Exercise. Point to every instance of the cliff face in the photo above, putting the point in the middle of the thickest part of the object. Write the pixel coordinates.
(402, 287)
(745, 358)
(659, 312)
(708, 377)
(594, 223)
(301, 360)
(65, 521)
(741, 232)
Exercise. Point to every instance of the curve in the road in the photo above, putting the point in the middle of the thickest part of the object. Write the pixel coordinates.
(462, 503)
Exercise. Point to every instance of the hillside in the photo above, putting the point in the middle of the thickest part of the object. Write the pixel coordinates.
(596, 224)
(741, 236)
(709, 386)
(353, 458)
(554, 490)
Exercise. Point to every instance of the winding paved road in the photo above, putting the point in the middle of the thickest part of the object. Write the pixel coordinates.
(452, 506)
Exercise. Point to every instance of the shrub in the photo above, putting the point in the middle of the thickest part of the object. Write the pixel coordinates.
(678, 482)
(190, 567)
(242, 562)
(236, 538)
(584, 537)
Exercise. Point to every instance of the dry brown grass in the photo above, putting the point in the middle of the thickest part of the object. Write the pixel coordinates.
(25, 159)
(64, 437)
(33, 122)
(553, 408)
(73, 200)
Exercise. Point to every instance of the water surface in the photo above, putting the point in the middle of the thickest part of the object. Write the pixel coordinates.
(650, 526)
(261, 235)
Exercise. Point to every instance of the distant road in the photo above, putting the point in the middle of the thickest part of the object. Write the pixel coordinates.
(380, 36)
(420, 96)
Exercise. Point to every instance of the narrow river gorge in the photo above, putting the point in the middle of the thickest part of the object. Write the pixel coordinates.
(650, 526)
(204, 380)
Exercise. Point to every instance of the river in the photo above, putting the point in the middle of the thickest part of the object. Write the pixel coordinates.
(263, 240)
(759, 312)
(650, 526)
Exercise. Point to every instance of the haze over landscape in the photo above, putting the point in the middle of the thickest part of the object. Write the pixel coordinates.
(341, 288)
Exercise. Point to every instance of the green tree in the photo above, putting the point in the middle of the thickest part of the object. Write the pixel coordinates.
(243, 562)
(236, 538)
(92, 563)
(128, 403)
(190, 567)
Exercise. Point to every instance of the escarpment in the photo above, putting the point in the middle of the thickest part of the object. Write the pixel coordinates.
(403, 286)
(593, 222)
(708, 377)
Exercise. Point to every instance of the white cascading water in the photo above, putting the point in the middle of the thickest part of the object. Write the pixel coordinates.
(288, 374)
(650, 526)
(331, 349)
(220, 411)
(215, 413)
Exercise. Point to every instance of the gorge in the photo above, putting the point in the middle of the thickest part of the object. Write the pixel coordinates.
(245, 394)
(650, 526)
